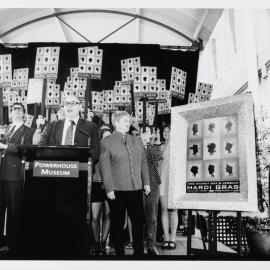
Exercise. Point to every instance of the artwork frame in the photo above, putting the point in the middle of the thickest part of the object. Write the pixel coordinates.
(236, 190)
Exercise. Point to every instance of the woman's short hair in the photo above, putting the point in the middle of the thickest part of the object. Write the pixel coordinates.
(117, 115)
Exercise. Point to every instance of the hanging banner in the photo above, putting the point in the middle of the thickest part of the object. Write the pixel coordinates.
(213, 166)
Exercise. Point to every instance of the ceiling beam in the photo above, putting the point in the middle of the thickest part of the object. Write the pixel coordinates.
(99, 11)
(73, 29)
(116, 30)
(54, 10)
(138, 26)
(200, 24)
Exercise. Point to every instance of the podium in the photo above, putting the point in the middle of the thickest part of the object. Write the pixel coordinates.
(57, 182)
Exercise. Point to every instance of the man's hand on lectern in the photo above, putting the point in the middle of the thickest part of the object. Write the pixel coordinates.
(111, 195)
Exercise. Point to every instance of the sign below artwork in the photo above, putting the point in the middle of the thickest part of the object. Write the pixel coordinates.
(67, 169)
(146, 95)
(89, 75)
(213, 187)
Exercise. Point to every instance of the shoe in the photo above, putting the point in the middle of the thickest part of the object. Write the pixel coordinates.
(129, 245)
(4, 250)
(172, 245)
(152, 251)
(96, 250)
(165, 245)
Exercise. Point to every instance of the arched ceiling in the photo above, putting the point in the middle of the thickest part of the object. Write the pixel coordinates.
(167, 27)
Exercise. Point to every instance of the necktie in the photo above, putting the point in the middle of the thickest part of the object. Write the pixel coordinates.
(69, 134)
(125, 139)
(10, 133)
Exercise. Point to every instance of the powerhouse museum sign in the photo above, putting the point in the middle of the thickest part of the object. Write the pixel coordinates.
(44, 168)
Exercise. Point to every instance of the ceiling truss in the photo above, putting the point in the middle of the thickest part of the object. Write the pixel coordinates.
(195, 44)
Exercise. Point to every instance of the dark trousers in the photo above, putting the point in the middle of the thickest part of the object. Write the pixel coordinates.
(151, 213)
(11, 195)
(132, 202)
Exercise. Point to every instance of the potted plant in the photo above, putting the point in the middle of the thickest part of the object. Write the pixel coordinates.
(258, 227)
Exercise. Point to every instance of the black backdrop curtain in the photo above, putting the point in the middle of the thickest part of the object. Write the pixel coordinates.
(151, 55)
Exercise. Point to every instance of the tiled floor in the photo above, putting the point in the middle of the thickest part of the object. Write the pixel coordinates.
(181, 246)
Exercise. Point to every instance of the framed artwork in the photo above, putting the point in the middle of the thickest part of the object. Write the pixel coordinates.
(212, 161)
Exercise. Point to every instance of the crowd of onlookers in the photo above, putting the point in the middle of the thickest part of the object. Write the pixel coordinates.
(130, 177)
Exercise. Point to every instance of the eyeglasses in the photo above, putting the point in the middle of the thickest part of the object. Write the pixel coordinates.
(20, 109)
(73, 103)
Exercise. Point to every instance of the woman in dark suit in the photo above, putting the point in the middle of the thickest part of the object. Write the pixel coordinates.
(125, 174)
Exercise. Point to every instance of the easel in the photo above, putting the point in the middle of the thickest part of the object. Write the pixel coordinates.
(212, 237)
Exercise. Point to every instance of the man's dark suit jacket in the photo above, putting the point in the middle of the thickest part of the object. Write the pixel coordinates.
(53, 132)
(10, 168)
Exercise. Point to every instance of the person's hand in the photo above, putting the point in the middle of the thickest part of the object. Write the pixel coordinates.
(2, 130)
(156, 136)
(40, 121)
(134, 123)
(3, 146)
(147, 189)
(111, 195)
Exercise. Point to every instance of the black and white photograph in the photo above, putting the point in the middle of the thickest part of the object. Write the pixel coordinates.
(134, 133)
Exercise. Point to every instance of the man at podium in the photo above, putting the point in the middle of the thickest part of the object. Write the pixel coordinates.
(72, 130)
(67, 205)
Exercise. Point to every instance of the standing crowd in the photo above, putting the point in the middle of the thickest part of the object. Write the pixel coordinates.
(130, 177)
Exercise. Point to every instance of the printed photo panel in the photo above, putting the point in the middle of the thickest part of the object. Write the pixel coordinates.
(194, 150)
(230, 169)
(211, 148)
(211, 170)
(195, 130)
(229, 147)
(194, 170)
(211, 127)
(229, 126)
